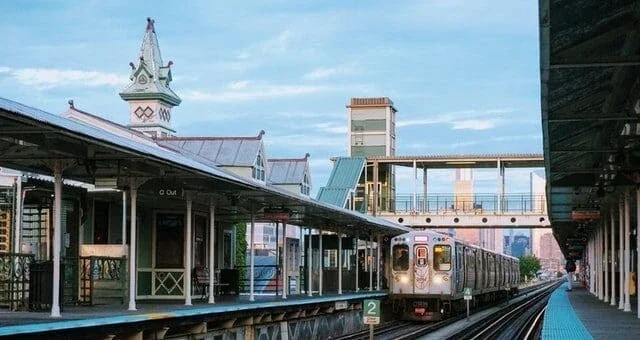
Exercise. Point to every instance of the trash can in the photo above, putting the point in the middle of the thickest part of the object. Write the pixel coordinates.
(41, 285)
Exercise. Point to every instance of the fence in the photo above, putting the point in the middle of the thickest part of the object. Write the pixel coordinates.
(14, 280)
(102, 279)
(266, 279)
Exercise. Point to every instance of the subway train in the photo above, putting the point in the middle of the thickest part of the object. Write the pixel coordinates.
(430, 271)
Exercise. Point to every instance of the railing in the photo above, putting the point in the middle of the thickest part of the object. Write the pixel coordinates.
(14, 280)
(266, 279)
(461, 204)
(102, 278)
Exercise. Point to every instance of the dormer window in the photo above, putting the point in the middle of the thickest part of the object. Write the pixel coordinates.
(306, 187)
(258, 169)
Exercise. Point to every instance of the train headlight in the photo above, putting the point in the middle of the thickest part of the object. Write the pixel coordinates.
(437, 279)
(404, 278)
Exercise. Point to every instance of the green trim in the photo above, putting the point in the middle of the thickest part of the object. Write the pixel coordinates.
(175, 101)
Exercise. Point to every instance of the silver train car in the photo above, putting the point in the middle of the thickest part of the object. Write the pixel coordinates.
(430, 270)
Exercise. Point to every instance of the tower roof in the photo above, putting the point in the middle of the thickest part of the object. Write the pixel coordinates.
(151, 77)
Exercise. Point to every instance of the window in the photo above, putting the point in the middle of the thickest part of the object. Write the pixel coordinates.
(400, 257)
(258, 169)
(169, 240)
(306, 187)
(442, 257)
(200, 241)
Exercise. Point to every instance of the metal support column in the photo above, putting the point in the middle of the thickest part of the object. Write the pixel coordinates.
(627, 251)
(57, 237)
(425, 203)
(321, 262)
(379, 248)
(285, 271)
(638, 247)
(357, 265)
(212, 251)
(370, 264)
(340, 264)
(376, 192)
(621, 251)
(309, 266)
(613, 257)
(599, 264)
(252, 258)
(187, 272)
(606, 260)
(414, 205)
(133, 270)
(124, 217)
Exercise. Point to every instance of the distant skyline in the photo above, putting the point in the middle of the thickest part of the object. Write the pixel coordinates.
(463, 75)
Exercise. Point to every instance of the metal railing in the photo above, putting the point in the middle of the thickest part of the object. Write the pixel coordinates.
(444, 204)
(102, 277)
(14, 279)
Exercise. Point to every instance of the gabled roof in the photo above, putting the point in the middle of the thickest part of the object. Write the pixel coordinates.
(155, 83)
(223, 151)
(344, 178)
(288, 170)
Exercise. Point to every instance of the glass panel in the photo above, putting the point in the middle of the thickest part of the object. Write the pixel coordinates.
(442, 257)
(400, 257)
(169, 240)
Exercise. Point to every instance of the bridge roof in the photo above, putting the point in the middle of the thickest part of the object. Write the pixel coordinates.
(463, 160)
(590, 80)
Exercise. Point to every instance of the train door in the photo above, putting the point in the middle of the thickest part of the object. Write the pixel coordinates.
(478, 284)
(459, 269)
(420, 268)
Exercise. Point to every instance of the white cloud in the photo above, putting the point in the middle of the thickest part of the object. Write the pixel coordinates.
(306, 140)
(247, 93)
(273, 46)
(464, 120)
(326, 72)
(239, 85)
(330, 128)
(475, 124)
(47, 78)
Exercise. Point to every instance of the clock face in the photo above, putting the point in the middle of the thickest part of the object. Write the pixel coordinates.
(142, 79)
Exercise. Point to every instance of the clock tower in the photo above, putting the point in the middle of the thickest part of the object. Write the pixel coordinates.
(149, 96)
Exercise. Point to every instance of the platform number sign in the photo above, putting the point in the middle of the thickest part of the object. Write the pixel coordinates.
(467, 294)
(371, 313)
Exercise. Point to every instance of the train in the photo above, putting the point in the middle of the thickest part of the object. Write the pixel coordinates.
(430, 271)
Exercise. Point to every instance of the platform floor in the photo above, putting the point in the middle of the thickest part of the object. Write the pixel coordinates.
(13, 323)
(580, 315)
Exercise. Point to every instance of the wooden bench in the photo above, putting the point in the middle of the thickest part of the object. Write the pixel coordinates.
(201, 280)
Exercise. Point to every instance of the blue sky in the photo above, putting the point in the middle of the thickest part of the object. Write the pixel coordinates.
(463, 75)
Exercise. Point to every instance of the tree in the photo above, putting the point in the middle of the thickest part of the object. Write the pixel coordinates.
(529, 266)
(241, 250)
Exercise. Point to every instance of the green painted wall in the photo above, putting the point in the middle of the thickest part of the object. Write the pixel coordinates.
(368, 125)
(368, 150)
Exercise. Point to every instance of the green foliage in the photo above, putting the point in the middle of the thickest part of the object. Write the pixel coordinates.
(529, 266)
(241, 248)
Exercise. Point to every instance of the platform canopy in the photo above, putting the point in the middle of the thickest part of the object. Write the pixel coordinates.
(463, 161)
(590, 89)
(31, 140)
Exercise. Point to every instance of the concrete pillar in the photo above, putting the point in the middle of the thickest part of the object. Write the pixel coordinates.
(339, 264)
(621, 252)
(321, 271)
(627, 251)
(124, 217)
(57, 237)
(252, 256)
(187, 272)
(613, 257)
(606, 260)
(212, 251)
(133, 270)
(310, 266)
(285, 271)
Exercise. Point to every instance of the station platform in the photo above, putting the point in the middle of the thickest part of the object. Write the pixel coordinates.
(76, 318)
(579, 314)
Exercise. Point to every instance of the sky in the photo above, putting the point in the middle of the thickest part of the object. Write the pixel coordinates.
(464, 75)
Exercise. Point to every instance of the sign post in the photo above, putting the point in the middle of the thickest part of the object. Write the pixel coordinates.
(467, 297)
(371, 314)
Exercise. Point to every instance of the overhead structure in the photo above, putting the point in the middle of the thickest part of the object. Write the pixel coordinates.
(590, 89)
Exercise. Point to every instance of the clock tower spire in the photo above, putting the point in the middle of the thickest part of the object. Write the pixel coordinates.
(149, 96)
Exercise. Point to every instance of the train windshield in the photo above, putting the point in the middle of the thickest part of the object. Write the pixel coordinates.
(442, 257)
(400, 257)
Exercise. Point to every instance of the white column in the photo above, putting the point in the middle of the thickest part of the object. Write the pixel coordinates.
(339, 264)
(627, 251)
(621, 251)
(613, 257)
(18, 217)
(212, 251)
(606, 260)
(57, 206)
(124, 217)
(370, 265)
(310, 266)
(357, 265)
(252, 258)
(414, 206)
(321, 262)
(500, 187)
(592, 272)
(285, 272)
(638, 247)
(379, 247)
(187, 272)
(133, 270)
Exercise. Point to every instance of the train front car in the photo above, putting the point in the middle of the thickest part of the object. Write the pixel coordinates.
(421, 284)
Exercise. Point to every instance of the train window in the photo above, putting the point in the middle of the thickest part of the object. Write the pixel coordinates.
(400, 257)
(442, 257)
(421, 256)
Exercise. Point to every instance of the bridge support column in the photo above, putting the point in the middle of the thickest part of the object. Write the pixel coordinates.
(627, 251)
(613, 257)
